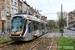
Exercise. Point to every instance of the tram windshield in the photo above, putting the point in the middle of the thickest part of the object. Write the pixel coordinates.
(17, 25)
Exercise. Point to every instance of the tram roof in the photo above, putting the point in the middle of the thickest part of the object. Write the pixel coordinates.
(29, 16)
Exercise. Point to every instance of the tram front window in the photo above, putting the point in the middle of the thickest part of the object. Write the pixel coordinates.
(17, 25)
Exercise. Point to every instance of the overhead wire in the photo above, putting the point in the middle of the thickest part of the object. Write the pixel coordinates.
(42, 5)
(55, 1)
(50, 5)
(32, 4)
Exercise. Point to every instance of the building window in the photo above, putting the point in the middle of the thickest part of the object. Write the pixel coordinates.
(4, 0)
(8, 22)
(15, 3)
(74, 18)
(20, 7)
(15, 10)
(2, 6)
(71, 17)
(12, 10)
(7, 1)
(8, 10)
(11, 2)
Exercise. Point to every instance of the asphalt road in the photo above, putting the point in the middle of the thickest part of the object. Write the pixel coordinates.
(69, 33)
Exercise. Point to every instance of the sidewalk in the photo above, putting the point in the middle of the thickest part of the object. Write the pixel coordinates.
(50, 35)
(2, 35)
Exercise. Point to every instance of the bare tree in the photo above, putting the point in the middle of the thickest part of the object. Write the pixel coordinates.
(64, 18)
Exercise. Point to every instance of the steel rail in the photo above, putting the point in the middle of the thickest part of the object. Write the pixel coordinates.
(52, 42)
(37, 43)
(31, 47)
(17, 46)
(7, 44)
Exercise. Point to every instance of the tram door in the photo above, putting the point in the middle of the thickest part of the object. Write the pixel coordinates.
(40, 28)
(30, 28)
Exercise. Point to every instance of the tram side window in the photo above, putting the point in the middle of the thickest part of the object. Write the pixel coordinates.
(32, 26)
(29, 27)
(36, 26)
(42, 26)
(39, 26)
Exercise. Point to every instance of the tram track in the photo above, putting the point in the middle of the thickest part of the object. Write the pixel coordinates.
(6, 43)
(32, 45)
(17, 44)
(26, 45)
(44, 44)
(36, 44)
(10, 46)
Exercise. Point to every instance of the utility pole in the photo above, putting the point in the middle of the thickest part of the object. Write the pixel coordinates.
(61, 21)
(67, 21)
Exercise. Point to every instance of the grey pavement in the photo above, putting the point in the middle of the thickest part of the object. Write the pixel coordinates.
(50, 35)
(67, 33)
(2, 35)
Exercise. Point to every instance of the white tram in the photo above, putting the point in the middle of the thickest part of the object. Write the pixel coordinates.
(26, 27)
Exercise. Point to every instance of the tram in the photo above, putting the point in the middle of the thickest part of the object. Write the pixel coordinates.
(26, 27)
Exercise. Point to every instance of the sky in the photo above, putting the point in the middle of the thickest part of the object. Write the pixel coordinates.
(49, 8)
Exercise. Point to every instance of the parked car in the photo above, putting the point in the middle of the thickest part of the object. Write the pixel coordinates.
(73, 28)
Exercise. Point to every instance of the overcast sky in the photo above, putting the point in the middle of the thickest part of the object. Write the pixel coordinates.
(51, 7)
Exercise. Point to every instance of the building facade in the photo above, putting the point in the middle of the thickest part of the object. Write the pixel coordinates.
(71, 19)
(20, 10)
(33, 12)
(44, 18)
(5, 15)
(8, 9)
(27, 8)
(24, 6)
(14, 7)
